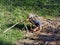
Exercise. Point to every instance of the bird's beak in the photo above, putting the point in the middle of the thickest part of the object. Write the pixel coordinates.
(27, 20)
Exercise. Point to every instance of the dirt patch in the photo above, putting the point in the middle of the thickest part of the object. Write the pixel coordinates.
(48, 36)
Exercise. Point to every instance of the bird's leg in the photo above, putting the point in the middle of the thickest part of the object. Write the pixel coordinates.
(36, 29)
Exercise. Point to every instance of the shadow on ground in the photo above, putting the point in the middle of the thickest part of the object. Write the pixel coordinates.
(5, 43)
(21, 26)
(18, 26)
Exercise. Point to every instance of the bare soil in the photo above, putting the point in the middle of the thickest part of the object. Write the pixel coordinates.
(47, 37)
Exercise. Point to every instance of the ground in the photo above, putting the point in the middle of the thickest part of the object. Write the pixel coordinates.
(42, 38)
(13, 11)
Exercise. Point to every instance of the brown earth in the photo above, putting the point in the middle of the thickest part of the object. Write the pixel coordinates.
(49, 36)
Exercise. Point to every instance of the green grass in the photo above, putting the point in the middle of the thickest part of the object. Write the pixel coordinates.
(10, 37)
(6, 19)
(10, 15)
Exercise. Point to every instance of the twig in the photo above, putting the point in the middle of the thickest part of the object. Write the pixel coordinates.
(46, 43)
(26, 26)
(10, 27)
